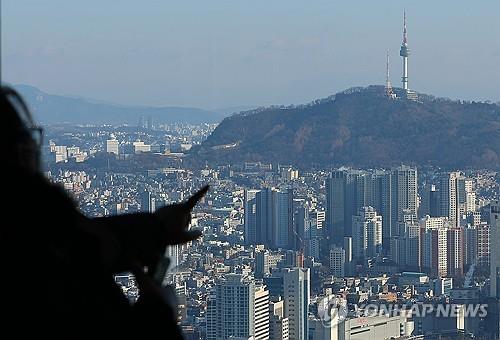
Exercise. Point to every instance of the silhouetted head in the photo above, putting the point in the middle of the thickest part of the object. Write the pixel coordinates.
(21, 138)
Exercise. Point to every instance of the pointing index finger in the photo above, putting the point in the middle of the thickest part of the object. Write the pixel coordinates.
(191, 202)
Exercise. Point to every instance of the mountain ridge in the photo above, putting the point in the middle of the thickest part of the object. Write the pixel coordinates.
(360, 127)
(50, 109)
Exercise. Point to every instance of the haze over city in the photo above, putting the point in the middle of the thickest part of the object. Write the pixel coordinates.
(222, 54)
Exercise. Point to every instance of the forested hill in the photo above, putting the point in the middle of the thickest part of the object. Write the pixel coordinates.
(363, 128)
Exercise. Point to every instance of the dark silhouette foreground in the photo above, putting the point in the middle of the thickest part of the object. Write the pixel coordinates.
(57, 265)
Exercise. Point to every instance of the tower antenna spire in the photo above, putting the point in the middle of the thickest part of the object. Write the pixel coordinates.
(405, 37)
(387, 81)
(388, 86)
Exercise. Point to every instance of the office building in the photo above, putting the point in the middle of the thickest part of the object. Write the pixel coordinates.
(382, 202)
(319, 331)
(430, 201)
(148, 202)
(377, 327)
(264, 217)
(278, 323)
(470, 245)
(337, 261)
(303, 225)
(112, 146)
(283, 233)
(273, 219)
(335, 211)
(274, 284)
(262, 263)
(296, 286)
(494, 301)
(250, 209)
(140, 147)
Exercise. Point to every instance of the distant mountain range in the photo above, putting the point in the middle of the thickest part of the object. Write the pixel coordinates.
(50, 109)
(361, 127)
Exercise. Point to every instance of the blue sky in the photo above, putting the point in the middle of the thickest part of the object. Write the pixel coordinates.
(213, 54)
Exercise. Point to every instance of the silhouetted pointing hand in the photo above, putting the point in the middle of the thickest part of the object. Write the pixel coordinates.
(176, 218)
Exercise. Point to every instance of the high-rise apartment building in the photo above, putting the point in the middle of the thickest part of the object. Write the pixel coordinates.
(392, 193)
(367, 233)
(455, 251)
(435, 245)
(404, 195)
(407, 246)
(466, 195)
(457, 197)
(483, 244)
(449, 189)
(238, 309)
(477, 245)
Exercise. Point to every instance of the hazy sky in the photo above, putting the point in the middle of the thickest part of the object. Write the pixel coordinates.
(212, 53)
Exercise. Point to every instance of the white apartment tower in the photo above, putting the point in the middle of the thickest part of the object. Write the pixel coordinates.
(238, 309)
(367, 233)
(434, 245)
(449, 197)
(112, 145)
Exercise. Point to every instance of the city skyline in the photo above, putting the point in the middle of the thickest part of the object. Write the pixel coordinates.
(356, 197)
(427, 248)
(290, 54)
(281, 244)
